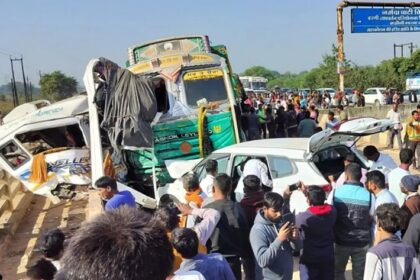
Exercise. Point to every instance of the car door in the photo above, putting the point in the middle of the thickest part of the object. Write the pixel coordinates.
(176, 188)
(347, 133)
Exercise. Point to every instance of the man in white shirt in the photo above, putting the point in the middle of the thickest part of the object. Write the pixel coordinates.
(394, 115)
(395, 176)
(379, 160)
(207, 183)
(253, 167)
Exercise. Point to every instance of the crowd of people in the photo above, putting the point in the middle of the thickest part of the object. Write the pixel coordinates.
(284, 115)
(371, 217)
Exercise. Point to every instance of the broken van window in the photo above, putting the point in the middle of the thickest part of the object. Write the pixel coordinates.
(13, 154)
(39, 141)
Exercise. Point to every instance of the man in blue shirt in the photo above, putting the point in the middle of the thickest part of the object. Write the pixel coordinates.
(212, 266)
(108, 191)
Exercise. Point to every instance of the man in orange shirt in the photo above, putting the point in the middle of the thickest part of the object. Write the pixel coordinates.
(192, 186)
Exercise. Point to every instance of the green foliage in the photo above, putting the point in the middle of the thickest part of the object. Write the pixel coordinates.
(388, 73)
(57, 86)
(261, 71)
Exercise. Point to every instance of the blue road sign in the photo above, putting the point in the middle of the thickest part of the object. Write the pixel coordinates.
(373, 20)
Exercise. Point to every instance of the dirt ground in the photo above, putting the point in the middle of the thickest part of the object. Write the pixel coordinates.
(42, 215)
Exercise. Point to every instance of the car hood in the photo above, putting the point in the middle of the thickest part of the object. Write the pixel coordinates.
(347, 132)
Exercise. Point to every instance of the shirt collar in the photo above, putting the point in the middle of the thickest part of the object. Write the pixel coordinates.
(411, 195)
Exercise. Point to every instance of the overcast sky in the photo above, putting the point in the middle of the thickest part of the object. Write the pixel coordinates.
(283, 35)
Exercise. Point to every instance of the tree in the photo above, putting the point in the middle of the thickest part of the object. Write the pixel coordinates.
(261, 71)
(2, 97)
(56, 86)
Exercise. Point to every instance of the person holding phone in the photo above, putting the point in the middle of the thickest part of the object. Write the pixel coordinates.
(274, 238)
(317, 226)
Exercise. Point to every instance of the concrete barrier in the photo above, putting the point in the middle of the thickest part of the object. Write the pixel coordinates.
(14, 202)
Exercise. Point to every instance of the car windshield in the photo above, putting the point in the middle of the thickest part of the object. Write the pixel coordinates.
(381, 90)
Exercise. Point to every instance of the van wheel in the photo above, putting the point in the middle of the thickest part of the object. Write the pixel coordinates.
(377, 103)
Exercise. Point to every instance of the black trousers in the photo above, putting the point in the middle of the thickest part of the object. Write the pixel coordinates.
(235, 265)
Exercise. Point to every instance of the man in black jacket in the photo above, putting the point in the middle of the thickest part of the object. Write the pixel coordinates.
(230, 237)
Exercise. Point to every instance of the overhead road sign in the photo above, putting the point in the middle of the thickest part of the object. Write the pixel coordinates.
(377, 20)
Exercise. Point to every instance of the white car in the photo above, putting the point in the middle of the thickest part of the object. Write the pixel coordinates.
(330, 91)
(375, 96)
(289, 160)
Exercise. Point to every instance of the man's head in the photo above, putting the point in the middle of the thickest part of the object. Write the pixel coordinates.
(388, 218)
(42, 270)
(371, 153)
(222, 186)
(349, 158)
(122, 244)
(406, 156)
(52, 244)
(190, 182)
(340, 108)
(272, 206)
(316, 195)
(375, 181)
(353, 172)
(395, 107)
(251, 184)
(410, 184)
(415, 114)
(185, 241)
(107, 187)
(211, 167)
(168, 216)
(330, 115)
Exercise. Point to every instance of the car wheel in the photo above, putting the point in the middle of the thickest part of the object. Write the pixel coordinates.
(377, 103)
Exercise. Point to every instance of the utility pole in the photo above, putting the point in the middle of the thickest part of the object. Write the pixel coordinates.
(24, 80)
(14, 91)
(395, 53)
(25, 88)
(30, 91)
(401, 46)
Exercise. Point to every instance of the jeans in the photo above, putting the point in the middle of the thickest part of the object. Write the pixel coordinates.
(392, 133)
(319, 271)
(358, 259)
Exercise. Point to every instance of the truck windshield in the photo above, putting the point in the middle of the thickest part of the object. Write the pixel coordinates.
(203, 85)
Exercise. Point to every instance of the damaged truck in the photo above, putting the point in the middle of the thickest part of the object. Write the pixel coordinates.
(176, 100)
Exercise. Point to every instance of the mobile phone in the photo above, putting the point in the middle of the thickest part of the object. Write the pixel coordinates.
(288, 217)
(294, 187)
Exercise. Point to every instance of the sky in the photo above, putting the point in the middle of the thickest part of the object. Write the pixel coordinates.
(282, 35)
